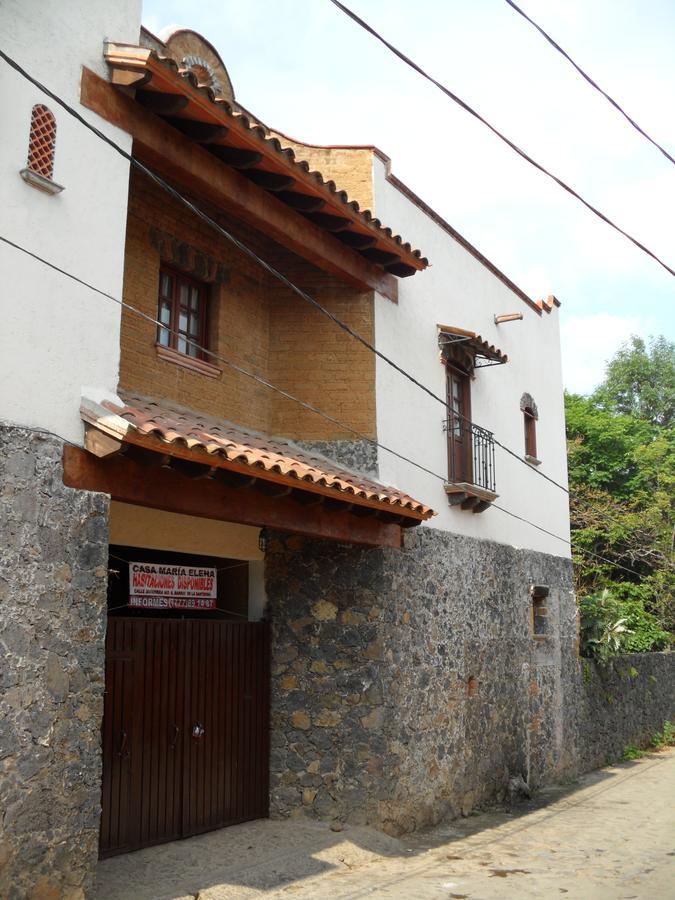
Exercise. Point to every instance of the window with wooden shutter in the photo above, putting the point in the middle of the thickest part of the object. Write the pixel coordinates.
(182, 313)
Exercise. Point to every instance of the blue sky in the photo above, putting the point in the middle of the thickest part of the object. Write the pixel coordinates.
(304, 68)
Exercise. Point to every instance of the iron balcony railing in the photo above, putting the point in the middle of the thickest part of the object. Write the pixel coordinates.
(471, 453)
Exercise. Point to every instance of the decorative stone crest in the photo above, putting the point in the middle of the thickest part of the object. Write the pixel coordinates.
(527, 402)
(192, 51)
(182, 256)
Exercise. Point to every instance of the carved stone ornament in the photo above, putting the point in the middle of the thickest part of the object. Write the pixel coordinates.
(188, 259)
(527, 402)
(192, 51)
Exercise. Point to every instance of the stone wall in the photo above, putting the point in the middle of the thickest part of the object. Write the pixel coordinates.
(53, 575)
(408, 685)
(624, 703)
(359, 455)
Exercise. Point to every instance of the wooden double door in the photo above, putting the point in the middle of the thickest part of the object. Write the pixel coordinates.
(185, 729)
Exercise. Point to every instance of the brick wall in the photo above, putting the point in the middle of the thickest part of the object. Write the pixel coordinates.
(256, 323)
(351, 168)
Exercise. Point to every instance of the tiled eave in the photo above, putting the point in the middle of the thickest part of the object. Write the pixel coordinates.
(449, 335)
(174, 94)
(201, 447)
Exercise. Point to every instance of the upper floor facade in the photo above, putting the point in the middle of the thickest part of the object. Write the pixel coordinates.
(241, 283)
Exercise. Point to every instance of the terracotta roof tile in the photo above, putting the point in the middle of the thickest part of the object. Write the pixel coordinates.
(140, 58)
(221, 439)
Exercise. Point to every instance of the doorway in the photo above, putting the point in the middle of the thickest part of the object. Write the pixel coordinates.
(186, 717)
(460, 466)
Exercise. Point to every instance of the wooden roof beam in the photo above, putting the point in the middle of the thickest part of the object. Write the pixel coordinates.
(161, 103)
(160, 488)
(185, 163)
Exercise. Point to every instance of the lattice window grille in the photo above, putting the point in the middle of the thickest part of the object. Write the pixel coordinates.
(42, 141)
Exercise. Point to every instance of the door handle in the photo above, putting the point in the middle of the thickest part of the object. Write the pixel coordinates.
(123, 746)
(174, 739)
(198, 731)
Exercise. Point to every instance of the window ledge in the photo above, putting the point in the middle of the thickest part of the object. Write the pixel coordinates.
(532, 460)
(40, 182)
(469, 496)
(168, 354)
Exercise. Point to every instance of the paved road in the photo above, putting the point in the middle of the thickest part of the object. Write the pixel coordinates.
(609, 837)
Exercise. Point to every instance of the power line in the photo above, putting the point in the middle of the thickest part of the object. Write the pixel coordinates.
(573, 546)
(252, 255)
(279, 275)
(497, 133)
(588, 78)
(285, 394)
(234, 366)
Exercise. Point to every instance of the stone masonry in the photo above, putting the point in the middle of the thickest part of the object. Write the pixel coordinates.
(408, 685)
(53, 575)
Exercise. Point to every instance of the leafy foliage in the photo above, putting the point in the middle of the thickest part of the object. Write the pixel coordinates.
(610, 626)
(621, 458)
(640, 382)
(665, 738)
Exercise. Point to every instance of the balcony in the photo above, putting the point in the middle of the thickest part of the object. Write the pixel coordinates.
(471, 464)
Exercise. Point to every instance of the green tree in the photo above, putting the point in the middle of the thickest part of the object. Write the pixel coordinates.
(640, 381)
(621, 459)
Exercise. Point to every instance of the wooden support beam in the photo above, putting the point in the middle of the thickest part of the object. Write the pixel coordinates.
(270, 181)
(128, 482)
(356, 239)
(401, 270)
(380, 256)
(236, 157)
(234, 480)
(456, 498)
(330, 223)
(304, 498)
(187, 164)
(100, 444)
(302, 202)
(201, 132)
(161, 103)
(272, 489)
(129, 78)
(189, 469)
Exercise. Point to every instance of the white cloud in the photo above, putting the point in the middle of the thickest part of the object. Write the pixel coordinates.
(588, 342)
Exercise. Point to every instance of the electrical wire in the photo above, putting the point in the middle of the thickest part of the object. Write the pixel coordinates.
(302, 403)
(588, 78)
(252, 255)
(472, 112)
(237, 368)
(574, 547)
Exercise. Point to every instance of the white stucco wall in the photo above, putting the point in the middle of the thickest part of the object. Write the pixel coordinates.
(457, 290)
(56, 336)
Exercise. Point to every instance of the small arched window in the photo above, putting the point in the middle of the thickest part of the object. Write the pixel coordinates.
(530, 416)
(42, 141)
(39, 171)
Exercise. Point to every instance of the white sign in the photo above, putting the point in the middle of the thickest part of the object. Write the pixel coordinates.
(160, 586)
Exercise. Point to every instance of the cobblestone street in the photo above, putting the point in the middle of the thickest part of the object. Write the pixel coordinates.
(610, 835)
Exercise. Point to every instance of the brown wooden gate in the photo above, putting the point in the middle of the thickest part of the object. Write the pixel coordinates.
(185, 729)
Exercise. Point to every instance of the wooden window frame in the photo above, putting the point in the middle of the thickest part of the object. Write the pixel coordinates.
(174, 333)
(530, 432)
(457, 373)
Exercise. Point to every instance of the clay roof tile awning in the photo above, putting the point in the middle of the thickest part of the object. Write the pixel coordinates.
(204, 440)
(483, 352)
(175, 94)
